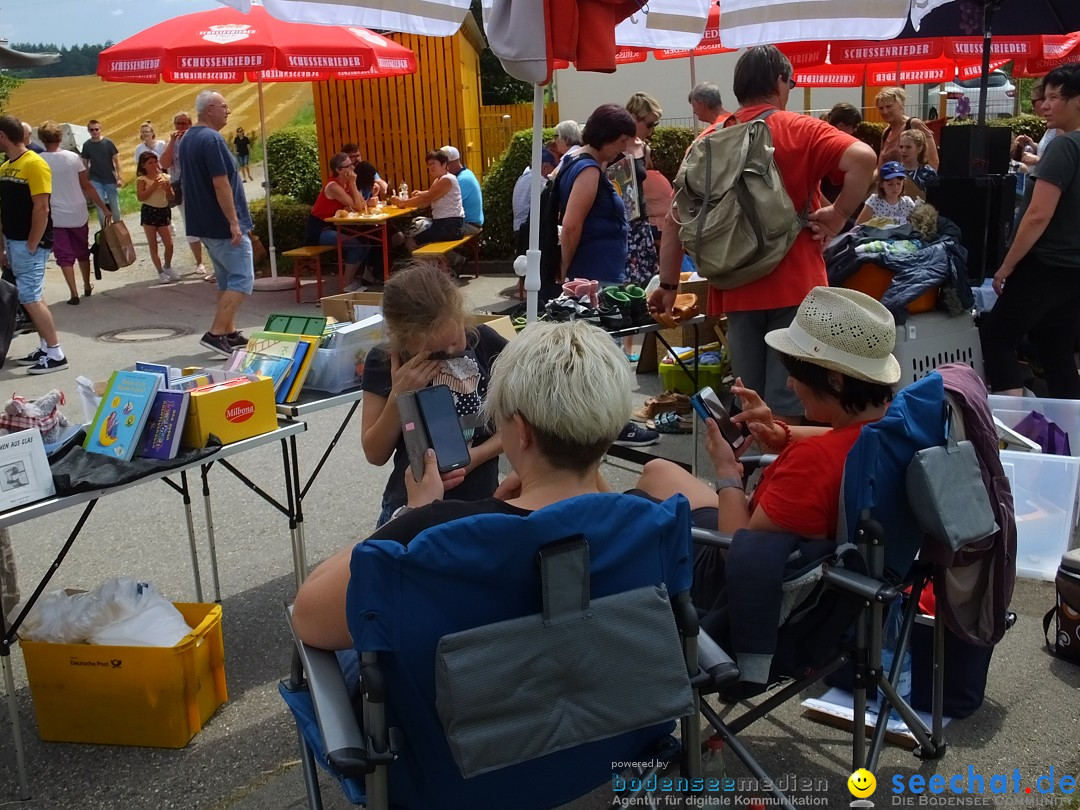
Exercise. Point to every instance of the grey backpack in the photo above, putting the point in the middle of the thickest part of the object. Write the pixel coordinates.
(735, 218)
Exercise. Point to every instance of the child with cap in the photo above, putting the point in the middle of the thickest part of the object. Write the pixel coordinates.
(889, 202)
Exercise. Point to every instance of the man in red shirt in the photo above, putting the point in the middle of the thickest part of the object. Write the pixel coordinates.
(807, 149)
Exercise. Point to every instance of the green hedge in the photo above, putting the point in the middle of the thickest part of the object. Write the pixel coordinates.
(668, 145)
(293, 163)
(1023, 124)
(290, 222)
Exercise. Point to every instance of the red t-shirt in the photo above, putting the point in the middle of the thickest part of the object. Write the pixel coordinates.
(800, 491)
(807, 149)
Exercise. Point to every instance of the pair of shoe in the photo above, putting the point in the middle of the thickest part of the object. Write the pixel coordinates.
(224, 345)
(39, 362)
(579, 288)
(565, 308)
(23, 325)
(355, 286)
(663, 403)
(636, 436)
(671, 422)
(630, 299)
(168, 276)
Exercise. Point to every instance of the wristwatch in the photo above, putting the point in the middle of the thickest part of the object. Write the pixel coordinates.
(727, 483)
(670, 287)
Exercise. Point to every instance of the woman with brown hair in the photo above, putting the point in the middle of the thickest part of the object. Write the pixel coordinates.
(890, 105)
(429, 342)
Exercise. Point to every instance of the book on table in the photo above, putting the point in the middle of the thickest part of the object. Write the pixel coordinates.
(24, 469)
(122, 414)
(276, 367)
(161, 438)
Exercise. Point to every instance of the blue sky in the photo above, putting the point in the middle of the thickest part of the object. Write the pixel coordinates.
(74, 22)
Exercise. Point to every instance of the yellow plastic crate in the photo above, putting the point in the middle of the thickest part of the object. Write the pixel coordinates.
(673, 378)
(153, 696)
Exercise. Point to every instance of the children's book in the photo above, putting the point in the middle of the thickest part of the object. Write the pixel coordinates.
(274, 366)
(161, 438)
(280, 344)
(367, 332)
(190, 381)
(122, 414)
(166, 373)
(24, 469)
(622, 177)
(306, 362)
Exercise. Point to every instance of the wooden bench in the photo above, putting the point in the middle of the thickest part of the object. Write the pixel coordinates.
(441, 249)
(308, 258)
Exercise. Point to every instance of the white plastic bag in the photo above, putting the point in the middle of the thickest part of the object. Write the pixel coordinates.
(119, 612)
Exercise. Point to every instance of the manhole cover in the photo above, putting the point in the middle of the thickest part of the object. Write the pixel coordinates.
(143, 334)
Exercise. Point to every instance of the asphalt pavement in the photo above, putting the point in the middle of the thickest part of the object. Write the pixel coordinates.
(246, 756)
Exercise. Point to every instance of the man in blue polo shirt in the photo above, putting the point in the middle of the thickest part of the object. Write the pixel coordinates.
(472, 199)
(216, 211)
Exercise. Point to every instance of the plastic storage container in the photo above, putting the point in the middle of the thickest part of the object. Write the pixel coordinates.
(934, 339)
(1045, 487)
(674, 378)
(154, 696)
(334, 370)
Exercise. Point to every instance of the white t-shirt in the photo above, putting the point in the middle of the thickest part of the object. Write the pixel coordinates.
(158, 147)
(68, 203)
(897, 212)
(449, 205)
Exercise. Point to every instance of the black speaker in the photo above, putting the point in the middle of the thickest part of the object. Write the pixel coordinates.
(982, 208)
(974, 151)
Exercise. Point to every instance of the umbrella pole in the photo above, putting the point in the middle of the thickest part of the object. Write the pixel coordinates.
(532, 255)
(273, 282)
(984, 80)
(693, 83)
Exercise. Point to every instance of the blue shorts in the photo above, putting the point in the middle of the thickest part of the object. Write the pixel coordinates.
(29, 270)
(243, 160)
(232, 263)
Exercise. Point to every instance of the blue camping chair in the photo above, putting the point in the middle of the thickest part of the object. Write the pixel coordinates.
(839, 619)
(508, 661)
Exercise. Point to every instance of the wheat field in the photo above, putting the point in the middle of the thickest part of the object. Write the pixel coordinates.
(121, 108)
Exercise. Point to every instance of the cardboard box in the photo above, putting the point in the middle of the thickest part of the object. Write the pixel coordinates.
(232, 410)
(111, 695)
(341, 306)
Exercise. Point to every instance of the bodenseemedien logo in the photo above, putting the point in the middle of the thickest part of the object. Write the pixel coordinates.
(862, 785)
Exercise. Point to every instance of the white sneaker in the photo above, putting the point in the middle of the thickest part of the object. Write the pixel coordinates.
(165, 278)
(168, 271)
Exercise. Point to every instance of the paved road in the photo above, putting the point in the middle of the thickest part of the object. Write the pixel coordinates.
(245, 757)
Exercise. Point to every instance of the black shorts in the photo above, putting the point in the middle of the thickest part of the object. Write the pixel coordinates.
(155, 217)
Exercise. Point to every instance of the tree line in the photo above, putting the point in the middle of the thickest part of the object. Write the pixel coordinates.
(76, 60)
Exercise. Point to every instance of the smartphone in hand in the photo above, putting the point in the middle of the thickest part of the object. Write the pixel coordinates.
(443, 427)
(708, 406)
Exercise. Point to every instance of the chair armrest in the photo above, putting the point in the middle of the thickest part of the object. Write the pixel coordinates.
(873, 590)
(342, 736)
(751, 463)
(708, 537)
(713, 660)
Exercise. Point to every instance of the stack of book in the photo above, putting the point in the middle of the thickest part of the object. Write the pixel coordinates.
(284, 352)
(142, 412)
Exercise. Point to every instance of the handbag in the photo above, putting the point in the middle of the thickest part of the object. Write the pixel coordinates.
(946, 491)
(178, 194)
(1065, 614)
(1044, 432)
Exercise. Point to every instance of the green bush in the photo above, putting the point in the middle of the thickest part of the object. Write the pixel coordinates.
(293, 163)
(869, 132)
(1023, 124)
(668, 145)
(498, 239)
(290, 222)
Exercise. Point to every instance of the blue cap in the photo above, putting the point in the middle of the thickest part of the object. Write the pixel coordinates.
(546, 156)
(891, 170)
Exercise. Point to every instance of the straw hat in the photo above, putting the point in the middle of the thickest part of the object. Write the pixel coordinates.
(843, 330)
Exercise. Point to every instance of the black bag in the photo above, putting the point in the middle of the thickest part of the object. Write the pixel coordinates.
(103, 256)
(9, 307)
(1065, 615)
(178, 194)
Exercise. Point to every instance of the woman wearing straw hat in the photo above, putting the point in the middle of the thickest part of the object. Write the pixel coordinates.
(838, 354)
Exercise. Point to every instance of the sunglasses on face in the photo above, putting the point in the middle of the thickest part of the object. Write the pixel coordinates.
(791, 83)
(94, 129)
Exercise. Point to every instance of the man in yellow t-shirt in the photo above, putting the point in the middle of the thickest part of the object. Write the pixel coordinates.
(25, 187)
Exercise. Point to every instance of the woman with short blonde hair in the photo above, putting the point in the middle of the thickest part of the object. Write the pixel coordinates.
(890, 105)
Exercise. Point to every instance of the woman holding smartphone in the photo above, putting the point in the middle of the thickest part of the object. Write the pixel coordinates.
(838, 354)
(429, 343)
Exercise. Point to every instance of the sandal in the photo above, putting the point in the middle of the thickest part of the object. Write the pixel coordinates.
(88, 291)
(668, 422)
(73, 300)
